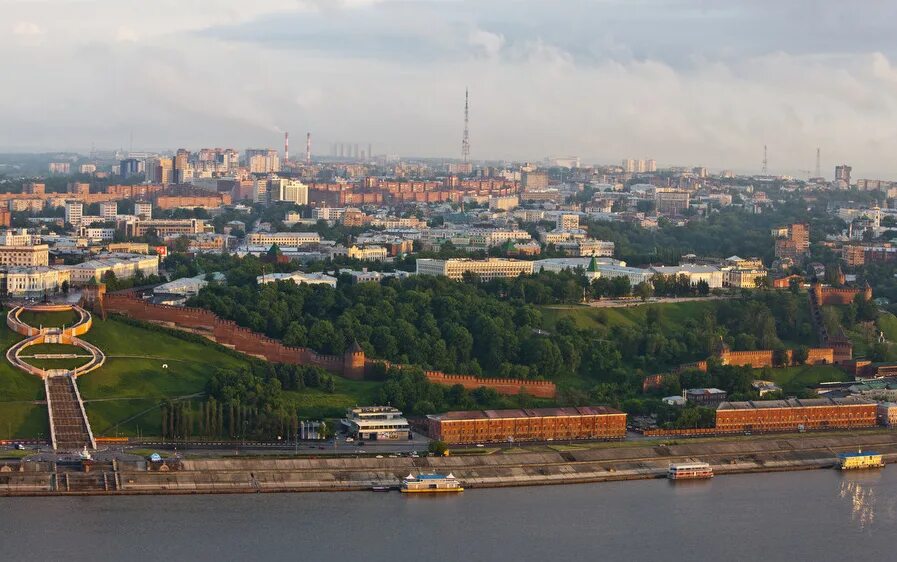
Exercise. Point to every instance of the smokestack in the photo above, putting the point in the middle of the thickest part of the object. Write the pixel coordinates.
(308, 148)
(286, 146)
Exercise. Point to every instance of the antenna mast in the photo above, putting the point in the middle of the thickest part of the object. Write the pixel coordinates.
(465, 140)
(765, 162)
(818, 163)
(286, 147)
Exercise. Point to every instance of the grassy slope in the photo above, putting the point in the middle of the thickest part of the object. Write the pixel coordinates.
(57, 319)
(792, 379)
(673, 314)
(19, 417)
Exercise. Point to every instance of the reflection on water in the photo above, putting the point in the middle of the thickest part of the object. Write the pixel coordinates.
(858, 489)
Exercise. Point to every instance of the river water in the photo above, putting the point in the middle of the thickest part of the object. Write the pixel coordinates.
(810, 515)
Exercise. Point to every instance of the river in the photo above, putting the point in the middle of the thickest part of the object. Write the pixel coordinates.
(818, 515)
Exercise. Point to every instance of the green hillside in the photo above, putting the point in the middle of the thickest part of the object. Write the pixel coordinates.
(674, 314)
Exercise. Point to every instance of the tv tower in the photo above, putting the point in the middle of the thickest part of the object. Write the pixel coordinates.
(286, 147)
(765, 161)
(308, 148)
(465, 140)
(818, 163)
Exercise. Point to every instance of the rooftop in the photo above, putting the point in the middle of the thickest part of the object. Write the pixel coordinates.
(527, 413)
(794, 403)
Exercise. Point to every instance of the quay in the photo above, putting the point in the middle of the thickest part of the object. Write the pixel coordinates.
(253, 475)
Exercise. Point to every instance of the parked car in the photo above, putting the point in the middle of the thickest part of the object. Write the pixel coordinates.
(349, 440)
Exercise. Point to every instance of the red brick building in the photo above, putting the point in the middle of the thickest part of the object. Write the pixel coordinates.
(795, 414)
(540, 424)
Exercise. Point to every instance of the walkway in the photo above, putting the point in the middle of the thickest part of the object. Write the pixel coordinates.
(69, 426)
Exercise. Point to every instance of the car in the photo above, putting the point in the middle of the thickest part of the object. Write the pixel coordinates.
(480, 445)
(379, 457)
(349, 440)
(20, 447)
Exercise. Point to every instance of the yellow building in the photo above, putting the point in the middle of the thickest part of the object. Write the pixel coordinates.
(367, 253)
(485, 270)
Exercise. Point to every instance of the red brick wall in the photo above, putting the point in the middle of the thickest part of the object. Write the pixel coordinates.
(788, 419)
(539, 389)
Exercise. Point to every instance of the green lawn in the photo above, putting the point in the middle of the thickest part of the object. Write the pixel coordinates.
(54, 319)
(49, 364)
(792, 379)
(53, 348)
(887, 323)
(313, 403)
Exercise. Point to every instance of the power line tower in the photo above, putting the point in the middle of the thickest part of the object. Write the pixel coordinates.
(465, 140)
(765, 161)
(818, 163)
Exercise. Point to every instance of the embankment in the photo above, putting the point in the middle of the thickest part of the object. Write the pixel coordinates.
(242, 475)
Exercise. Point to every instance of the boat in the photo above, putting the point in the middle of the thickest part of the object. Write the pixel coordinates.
(690, 471)
(430, 484)
(860, 460)
(381, 488)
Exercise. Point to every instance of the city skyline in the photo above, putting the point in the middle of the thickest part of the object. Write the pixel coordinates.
(671, 81)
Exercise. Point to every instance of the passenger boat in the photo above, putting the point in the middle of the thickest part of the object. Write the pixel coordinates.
(381, 488)
(690, 471)
(430, 484)
(860, 460)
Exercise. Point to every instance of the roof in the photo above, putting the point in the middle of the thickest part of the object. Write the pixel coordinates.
(794, 403)
(528, 413)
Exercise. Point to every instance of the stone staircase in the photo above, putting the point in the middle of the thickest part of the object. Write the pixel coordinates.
(69, 428)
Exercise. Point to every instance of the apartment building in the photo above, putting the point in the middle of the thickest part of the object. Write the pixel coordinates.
(25, 256)
(288, 239)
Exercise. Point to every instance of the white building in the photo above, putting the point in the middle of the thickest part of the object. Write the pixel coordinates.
(143, 210)
(108, 210)
(288, 190)
(695, 273)
(485, 270)
(298, 278)
(19, 282)
(74, 211)
(376, 423)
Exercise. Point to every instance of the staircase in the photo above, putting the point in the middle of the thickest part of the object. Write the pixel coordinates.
(69, 428)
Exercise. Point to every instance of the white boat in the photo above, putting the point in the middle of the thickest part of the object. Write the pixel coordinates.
(690, 471)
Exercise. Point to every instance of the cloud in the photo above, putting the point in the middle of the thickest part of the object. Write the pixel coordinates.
(27, 29)
(684, 81)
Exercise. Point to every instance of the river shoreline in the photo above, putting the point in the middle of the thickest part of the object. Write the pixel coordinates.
(259, 475)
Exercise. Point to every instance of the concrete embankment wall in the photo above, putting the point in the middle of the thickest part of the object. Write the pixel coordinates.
(241, 475)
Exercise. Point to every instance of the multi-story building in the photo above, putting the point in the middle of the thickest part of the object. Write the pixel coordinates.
(25, 256)
(60, 168)
(695, 273)
(288, 190)
(842, 176)
(160, 171)
(792, 241)
(34, 188)
(262, 160)
(484, 270)
(670, 201)
(108, 210)
(74, 213)
(795, 414)
(328, 213)
(79, 188)
(567, 221)
(122, 266)
(19, 282)
(288, 239)
(376, 423)
(163, 227)
(532, 424)
(534, 180)
(130, 167)
(709, 397)
(143, 210)
(26, 205)
(588, 247)
(367, 253)
(504, 202)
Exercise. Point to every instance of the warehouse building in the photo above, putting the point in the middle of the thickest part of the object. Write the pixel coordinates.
(795, 414)
(539, 424)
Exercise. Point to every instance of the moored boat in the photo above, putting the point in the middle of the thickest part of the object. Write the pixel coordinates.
(431, 483)
(860, 460)
(690, 471)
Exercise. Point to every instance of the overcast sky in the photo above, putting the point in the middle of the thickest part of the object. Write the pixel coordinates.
(687, 82)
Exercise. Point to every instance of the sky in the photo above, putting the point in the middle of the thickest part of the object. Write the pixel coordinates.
(686, 82)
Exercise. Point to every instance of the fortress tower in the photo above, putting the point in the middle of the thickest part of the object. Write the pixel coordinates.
(354, 362)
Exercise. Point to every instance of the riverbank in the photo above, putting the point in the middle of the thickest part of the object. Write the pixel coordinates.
(254, 475)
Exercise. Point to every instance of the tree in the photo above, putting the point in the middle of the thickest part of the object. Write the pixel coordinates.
(800, 355)
(65, 287)
(438, 447)
(643, 290)
(779, 357)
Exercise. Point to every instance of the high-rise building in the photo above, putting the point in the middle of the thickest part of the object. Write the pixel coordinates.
(74, 212)
(288, 190)
(181, 166)
(669, 201)
(143, 210)
(160, 170)
(792, 241)
(59, 167)
(78, 188)
(108, 209)
(130, 167)
(842, 174)
(534, 180)
(262, 160)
